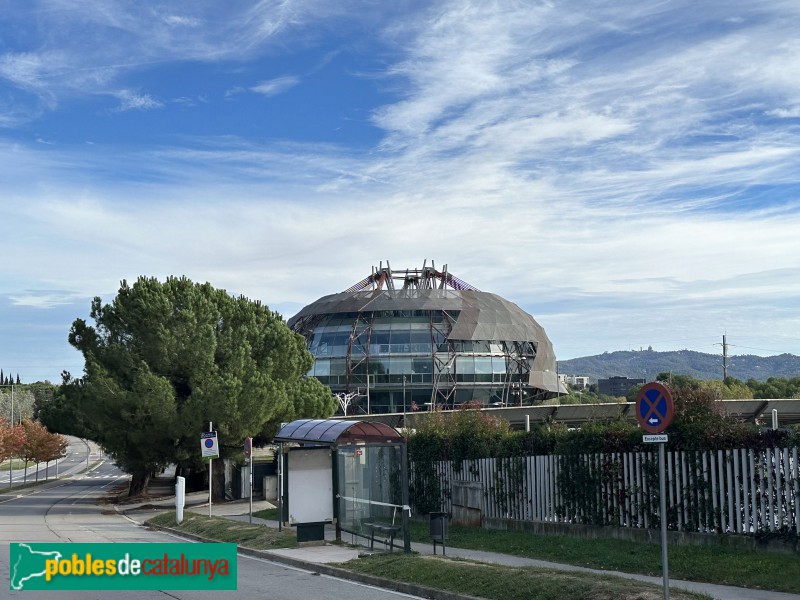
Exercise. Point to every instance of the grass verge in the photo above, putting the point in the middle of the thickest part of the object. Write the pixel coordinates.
(270, 514)
(462, 577)
(507, 583)
(256, 537)
(21, 486)
(711, 564)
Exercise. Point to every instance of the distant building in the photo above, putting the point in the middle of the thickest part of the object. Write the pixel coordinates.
(617, 386)
(578, 382)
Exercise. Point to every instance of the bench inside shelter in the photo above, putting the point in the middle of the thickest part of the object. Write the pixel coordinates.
(387, 531)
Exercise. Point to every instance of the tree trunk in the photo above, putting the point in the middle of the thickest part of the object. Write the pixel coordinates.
(138, 484)
(195, 479)
(218, 488)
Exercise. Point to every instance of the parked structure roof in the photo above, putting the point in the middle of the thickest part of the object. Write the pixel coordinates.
(337, 432)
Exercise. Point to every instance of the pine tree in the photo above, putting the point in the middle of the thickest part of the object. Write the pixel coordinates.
(163, 359)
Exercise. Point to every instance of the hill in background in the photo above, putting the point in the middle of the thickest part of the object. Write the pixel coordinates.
(646, 364)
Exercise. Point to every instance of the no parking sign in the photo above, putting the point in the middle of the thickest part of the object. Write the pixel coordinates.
(654, 408)
(208, 444)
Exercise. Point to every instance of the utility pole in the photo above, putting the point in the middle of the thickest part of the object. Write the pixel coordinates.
(724, 357)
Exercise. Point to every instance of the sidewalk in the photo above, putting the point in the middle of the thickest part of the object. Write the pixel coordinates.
(312, 557)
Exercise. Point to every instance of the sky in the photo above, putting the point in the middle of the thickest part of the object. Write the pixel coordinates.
(627, 171)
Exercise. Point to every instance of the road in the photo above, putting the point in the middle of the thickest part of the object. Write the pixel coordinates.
(67, 511)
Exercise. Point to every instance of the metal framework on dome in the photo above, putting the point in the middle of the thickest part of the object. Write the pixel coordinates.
(426, 278)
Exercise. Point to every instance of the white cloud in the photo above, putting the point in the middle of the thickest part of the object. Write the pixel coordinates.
(179, 21)
(43, 299)
(276, 86)
(129, 100)
(31, 71)
(79, 49)
(792, 112)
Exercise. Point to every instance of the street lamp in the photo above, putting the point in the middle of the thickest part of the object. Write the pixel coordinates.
(12, 386)
(368, 409)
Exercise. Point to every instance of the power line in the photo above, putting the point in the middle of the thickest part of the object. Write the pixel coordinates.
(761, 349)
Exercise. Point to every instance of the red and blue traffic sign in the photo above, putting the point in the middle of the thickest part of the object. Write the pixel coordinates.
(208, 444)
(654, 407)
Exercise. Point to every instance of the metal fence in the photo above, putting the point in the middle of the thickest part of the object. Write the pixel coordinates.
(723, 491)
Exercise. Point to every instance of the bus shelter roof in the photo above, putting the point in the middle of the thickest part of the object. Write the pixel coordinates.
(335, 432)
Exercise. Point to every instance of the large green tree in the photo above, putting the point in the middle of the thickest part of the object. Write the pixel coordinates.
(163, 359)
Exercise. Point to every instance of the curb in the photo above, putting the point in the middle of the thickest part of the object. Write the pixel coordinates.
(337, 572)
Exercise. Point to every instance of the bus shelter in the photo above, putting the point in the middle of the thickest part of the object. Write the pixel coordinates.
(350, 473)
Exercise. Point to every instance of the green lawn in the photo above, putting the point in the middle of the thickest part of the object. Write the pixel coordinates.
(488, 581)
(270, 514)
(712, 564)
(507, 583)
(225, 530)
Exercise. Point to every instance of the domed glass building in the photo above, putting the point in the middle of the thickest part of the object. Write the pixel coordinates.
(418, 339)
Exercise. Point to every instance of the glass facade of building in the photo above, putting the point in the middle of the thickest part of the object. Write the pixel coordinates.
(405, 353)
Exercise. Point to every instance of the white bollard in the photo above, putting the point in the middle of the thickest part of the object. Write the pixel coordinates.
(180, 498)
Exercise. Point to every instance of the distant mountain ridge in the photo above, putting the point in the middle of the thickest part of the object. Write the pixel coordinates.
(646, 364)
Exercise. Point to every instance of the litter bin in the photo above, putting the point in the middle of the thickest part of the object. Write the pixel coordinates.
(438, 529)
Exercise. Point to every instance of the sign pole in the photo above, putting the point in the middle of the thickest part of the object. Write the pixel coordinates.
(251, 488)
(210, 473)
(663, 513)
(654, 411)
(280, 486)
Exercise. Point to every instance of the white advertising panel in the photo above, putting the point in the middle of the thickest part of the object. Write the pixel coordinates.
(310, 485)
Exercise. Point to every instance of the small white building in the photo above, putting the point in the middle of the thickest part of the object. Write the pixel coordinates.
(578, 382)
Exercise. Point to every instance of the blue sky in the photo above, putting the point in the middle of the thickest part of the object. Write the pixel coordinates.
(628, 172)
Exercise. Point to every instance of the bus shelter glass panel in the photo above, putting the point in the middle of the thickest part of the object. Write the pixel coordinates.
(370, 489)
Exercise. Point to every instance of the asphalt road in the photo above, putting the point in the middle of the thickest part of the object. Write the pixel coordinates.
(68, 511)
